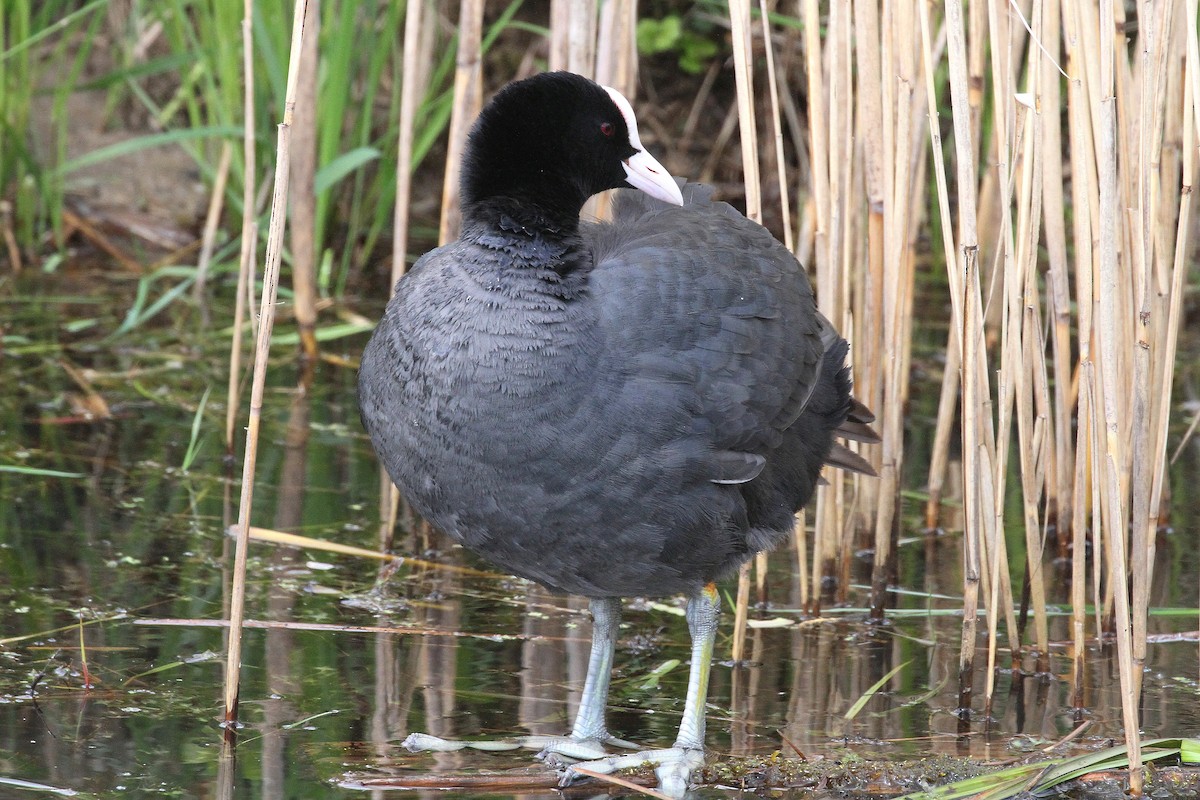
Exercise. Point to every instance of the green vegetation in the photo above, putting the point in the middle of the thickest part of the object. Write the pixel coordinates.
(175, 69)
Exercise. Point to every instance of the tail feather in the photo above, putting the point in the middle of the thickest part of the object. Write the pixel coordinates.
(842, 457)
(857, 431)
(860, 413)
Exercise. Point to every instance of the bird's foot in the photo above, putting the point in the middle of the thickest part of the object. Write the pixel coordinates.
(588, 749)
(673, 766)
(419, 742)
(567, 746)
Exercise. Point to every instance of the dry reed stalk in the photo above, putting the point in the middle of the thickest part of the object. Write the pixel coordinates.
(903, 163)
(1151, 257)
(873, 113)
(820, 193)
(233, 659)
(1191, 138)
(581, 37)
(249, 240)
(216, 202)
(800, 538)
(1008, 136)
(1079, 556)
(1083, 202)
(411, 90)
(609, 53)
(1193, 64)
(1032, 401)
(760, 578)
(1060, 501)
(843, 262)
(739, 20)
(950, 379)
(741, 612)
(559, 44)
(857, 221)
(777, 127)
(743, 67)
(939, 459)
(968, 312)
(303, 190)
(468, 97)
(1111, 408)
(948, 401)
(616, 51)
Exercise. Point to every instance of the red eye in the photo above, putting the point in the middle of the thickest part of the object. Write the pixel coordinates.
(607, 128)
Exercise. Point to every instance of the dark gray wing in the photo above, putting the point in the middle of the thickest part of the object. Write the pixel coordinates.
(703, 300)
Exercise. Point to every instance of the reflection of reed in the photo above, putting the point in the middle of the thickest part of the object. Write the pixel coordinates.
(437, 660)
(541, 710)
(278, 709)
(753, 696)
(226, 768)
(809, 697)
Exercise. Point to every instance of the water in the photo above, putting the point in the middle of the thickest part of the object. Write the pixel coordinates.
(96, 563)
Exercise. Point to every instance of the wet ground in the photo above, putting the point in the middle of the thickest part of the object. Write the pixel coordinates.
(114, 568)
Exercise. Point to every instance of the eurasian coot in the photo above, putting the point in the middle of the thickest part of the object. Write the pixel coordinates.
(624, 409)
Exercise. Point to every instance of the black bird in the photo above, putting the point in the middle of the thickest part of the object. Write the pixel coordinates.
(632, 408)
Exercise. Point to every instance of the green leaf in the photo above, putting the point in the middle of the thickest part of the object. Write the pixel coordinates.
(659, 35)
(656, 674)
(875, 687)
(140, 143)
(325, 334)
(43, 473)
(194, 442)
(993, 786)
(697, 53)
(342, 166)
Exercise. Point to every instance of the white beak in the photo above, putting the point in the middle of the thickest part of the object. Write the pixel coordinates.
(642, 170)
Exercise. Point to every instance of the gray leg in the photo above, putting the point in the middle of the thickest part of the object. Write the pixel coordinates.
(703, 613)
(590, 732)
(676, 764)
(606, 619)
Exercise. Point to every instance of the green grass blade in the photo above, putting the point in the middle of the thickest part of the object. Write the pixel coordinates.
(140, 143)
(59, 26)
(194, 442)
(1110, 758)
(994, 786)
(875, 687)
(41, 473)
(328, 175)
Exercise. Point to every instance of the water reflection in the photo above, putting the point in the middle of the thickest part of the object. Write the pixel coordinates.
(135, 535)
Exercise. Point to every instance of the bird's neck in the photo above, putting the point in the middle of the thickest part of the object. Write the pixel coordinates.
(528, 234)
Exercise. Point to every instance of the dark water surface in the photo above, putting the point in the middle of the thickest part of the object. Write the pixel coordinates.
(93, 562)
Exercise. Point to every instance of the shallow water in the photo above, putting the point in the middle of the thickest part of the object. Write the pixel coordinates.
(98, 565)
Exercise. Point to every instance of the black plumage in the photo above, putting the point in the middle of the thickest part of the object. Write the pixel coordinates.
(627, 408)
